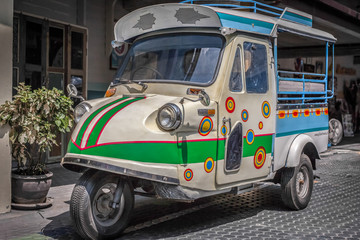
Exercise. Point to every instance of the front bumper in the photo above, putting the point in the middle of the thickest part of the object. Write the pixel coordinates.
(154, 172)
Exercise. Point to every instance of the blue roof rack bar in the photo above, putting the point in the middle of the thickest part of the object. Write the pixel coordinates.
(255, 7)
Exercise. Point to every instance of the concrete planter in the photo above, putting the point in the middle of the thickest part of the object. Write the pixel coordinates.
(30, 189)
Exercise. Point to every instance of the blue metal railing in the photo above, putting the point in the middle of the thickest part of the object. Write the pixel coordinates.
(236, 4)
(303, 80)
(305, 96)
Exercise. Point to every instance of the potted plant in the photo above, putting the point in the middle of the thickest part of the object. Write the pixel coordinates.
(35, 119)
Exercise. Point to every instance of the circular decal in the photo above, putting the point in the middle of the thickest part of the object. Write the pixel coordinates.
(244, 115)
(250, 136)
(266, 109)
(261, 125)
(188, 174)
(326, 111)
(295, 113)
(230, 104)
(209, 164)
(306, 112)
(223, 130)
(281, 114)
(205, 126)
(259, 157)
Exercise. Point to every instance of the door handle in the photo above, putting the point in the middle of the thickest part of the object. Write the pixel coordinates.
(225, 120)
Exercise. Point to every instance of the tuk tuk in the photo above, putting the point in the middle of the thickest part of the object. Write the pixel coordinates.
(199, 107)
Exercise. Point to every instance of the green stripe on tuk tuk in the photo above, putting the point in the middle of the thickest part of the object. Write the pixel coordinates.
(95, 134)
(91, 117)
(186, 152)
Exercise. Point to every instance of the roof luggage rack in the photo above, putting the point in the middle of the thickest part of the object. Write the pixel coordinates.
(258, 7)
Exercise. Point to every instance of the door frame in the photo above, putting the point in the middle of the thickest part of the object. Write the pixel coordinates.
(20, 65)
(247, 172)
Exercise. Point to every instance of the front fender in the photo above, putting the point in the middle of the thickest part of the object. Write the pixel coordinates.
(301, 144)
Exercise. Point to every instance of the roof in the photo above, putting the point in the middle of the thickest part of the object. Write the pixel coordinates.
(174, 15)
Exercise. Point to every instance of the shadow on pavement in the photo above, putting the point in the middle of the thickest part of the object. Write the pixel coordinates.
(154, 218)
(60, 228)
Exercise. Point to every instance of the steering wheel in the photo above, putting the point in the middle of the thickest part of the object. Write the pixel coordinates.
(149, 68)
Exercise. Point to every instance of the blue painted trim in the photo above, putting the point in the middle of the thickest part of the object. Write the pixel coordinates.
(301, 124)
(245, 24)
(301, 131)
(276, 64)
(333, 69)
(297, 18)
(326, 66)
(255, 7)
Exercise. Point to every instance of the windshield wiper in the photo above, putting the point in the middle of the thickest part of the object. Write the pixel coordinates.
(128, 81)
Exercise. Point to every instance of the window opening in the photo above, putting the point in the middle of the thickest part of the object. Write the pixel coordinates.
(256, 68)
(235, 82)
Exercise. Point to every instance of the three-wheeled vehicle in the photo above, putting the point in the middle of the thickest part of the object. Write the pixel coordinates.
(199, 107)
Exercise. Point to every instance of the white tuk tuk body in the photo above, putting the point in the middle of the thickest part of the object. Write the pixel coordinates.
(216, 114)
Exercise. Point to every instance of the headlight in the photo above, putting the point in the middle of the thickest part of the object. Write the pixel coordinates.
(169, 117)
(80, 110)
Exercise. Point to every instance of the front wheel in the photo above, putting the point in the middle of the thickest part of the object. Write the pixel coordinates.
(297, 184)
(91, 205)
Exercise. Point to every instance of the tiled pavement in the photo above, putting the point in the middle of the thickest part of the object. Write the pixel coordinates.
(333, 213)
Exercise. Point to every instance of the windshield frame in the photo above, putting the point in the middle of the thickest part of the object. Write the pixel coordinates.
(122, 67)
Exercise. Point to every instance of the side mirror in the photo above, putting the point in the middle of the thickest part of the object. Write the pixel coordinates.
(204, 98)
(73, 92)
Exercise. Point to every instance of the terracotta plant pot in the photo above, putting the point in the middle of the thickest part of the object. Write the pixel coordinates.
(30, 189)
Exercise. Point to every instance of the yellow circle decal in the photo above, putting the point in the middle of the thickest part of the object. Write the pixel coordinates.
(261, 125)
(250, 137)
(266, 109)
(188, 174)
(223, 130)
(209, 164)
(205, 126)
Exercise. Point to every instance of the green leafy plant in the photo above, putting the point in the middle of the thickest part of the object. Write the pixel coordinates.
(35, 119)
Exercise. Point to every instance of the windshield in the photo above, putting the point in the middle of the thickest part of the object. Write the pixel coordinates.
(186, 58)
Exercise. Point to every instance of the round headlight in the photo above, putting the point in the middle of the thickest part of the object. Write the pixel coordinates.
(169, 117)
(80, 110)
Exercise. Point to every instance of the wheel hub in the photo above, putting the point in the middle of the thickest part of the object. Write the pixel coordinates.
(103, 213)
(302, 183)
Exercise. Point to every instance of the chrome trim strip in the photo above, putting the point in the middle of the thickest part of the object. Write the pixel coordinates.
(119, 170)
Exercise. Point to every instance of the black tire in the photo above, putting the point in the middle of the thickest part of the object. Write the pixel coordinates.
(335, 131)
(297, 184)
(89, 206)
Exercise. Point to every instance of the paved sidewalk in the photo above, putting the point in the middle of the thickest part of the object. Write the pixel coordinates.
(333, 213)
(52, 222)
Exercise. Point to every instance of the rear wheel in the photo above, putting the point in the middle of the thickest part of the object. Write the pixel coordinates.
(335, 131)
(297, 184)
(91, 205)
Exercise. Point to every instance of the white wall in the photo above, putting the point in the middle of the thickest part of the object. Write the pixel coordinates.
(99, 73)
(6, 33)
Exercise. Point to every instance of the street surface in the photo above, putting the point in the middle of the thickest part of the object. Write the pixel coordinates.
(333, 213)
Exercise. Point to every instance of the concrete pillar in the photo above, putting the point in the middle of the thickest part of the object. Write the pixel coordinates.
(6, 33)
(109, 27)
